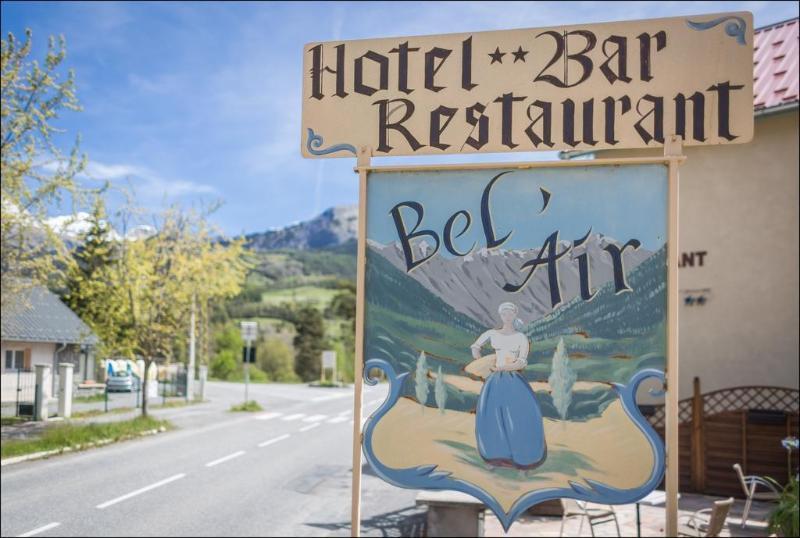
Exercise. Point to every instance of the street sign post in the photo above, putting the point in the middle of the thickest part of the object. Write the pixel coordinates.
(328, 362)
(249, 331)
(429, 283)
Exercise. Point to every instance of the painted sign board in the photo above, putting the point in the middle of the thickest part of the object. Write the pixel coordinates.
(580, 87)
(515, 312)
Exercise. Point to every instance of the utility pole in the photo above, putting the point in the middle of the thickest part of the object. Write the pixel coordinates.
(190, 369)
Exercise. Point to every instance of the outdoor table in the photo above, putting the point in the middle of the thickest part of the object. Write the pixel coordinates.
(654, 498)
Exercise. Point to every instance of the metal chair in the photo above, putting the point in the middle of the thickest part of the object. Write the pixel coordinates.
(705, 522)
(595, 516)
(749, 484)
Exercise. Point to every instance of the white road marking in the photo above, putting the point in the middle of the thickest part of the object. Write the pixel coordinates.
(226, 458)
(293, 417)
(337, 420)
(140, 491)
(345, 412)
(315, 418)
(309, 427)
(43, 528)
(331, 397)
(268, 416)
(269, 442)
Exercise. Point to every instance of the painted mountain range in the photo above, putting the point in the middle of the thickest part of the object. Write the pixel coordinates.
(470, 284)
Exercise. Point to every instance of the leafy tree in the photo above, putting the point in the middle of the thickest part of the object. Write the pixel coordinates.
(224, 364)
(562, 378)
(89, 287)
(35, 174)
(345, 353)
(158, 276)
(343, 305)
(276, 359)
(309, 342)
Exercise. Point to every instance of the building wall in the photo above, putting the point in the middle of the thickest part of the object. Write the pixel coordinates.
(41, 352)
(739, 204)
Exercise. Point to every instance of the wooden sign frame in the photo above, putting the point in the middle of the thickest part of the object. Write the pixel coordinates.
(673, 157)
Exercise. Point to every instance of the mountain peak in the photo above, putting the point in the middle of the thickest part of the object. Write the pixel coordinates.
(333, 227)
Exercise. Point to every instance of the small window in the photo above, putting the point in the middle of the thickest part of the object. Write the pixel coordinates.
(15, 359)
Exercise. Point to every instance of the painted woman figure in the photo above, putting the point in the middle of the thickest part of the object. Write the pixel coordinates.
(508, 422)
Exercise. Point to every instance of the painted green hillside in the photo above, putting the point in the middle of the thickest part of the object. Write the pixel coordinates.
(403, 318)
(611, 336)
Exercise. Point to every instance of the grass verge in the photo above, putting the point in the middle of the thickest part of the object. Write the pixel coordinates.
(98, 412)
(81, 436)
(98, 397)
(177, 403)
(249, 407)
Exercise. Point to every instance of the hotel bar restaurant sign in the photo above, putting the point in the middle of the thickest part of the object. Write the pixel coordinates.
(579, 87)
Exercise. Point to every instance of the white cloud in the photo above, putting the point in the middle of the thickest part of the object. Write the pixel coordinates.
(145, 181)
(159, 84)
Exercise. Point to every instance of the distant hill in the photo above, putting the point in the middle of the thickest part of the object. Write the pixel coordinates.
(333, 228)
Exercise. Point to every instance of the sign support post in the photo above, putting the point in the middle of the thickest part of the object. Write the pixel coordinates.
(247, 371)
(249, 332)
(362, 167)
(673, 151)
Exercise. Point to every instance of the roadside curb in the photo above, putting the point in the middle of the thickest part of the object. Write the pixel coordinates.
(76, 448)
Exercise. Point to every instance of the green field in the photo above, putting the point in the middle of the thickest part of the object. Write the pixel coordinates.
(316, 296)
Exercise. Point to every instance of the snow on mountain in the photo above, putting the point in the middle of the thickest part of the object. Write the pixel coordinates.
(72, 227)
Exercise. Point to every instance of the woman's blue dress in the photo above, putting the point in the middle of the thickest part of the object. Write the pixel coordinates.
(508, 422)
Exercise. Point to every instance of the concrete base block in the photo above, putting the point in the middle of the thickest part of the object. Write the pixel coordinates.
(452, 513)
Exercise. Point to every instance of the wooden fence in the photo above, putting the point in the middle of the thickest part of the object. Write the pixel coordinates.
(742, 425)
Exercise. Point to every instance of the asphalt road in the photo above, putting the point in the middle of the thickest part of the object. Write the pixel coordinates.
(282, 472)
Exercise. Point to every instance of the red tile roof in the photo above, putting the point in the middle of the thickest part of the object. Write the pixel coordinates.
(775, 65)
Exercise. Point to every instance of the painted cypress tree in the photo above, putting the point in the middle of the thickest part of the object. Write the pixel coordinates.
(562, 378)
(440, 392)
(421, 379)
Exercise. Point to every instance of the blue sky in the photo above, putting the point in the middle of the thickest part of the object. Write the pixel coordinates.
(627, 203)
(199, 102)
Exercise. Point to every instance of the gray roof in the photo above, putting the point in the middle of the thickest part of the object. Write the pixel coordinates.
(40, 316)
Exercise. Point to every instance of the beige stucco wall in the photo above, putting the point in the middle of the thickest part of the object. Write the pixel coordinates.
(41, 352)
(740, 204)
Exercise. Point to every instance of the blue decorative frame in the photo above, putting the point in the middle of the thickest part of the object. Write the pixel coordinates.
(736, 28)
(314, 144)
(426, 476)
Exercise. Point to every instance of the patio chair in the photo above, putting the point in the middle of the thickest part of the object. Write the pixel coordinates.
(705, 522)
(595, 516)
(749, 484)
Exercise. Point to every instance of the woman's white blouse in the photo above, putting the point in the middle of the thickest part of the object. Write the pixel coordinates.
(507, 347)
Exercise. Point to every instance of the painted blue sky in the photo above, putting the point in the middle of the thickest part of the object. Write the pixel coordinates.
(201, 101)
(624, 203)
